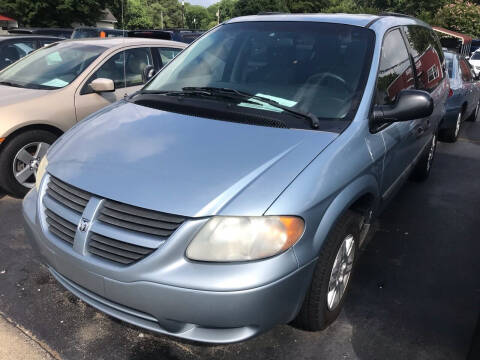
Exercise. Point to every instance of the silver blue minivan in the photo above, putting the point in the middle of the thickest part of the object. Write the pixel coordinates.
(235, 190)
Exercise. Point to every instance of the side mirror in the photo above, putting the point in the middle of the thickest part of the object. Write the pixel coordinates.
(148, 73)
(102, 85)
(410, 105)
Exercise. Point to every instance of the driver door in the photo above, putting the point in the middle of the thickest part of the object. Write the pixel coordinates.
(401, 139)
(125, 68)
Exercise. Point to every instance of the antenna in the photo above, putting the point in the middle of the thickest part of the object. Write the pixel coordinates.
(124, 54)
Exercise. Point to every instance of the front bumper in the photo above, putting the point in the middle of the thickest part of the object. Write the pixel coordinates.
(243, 300)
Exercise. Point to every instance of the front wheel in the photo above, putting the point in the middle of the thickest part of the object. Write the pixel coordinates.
(423, 167)
(332, 275)
(19, 160)
(473, 116)
(451, 134)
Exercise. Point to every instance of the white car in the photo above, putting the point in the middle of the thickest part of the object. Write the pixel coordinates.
(475, 62)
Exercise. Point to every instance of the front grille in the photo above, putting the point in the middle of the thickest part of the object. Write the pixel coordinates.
(60, 227)
(117, 251)
(69, 196)
(139, 220)
(121, 233)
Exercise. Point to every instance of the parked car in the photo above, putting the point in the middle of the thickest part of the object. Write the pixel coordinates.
(59, 32)
(234, 191)
(475, 62)
(50, 90)
(93, 32)
(464, 99)
(13, 48)
(182, 35)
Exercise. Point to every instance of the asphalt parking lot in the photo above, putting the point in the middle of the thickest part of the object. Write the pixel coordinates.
(415, 295)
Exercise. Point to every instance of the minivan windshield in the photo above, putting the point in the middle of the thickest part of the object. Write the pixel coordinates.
(312, 67)
(51, 67)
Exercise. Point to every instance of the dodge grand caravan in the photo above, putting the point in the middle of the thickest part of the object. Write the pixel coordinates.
(234, 191)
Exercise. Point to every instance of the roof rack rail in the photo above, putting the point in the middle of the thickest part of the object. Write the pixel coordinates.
(387, 13)
(272, 13)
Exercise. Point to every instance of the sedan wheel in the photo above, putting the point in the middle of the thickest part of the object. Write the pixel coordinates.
(19, 160)
(458, 124)
(26, 161)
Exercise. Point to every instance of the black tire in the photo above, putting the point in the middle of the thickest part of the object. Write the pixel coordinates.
(451, 134)
(7, 156)
(315, 314)
(424, 165)
(473, 116)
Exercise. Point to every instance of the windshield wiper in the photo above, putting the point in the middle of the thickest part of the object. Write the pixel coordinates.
(206, 90)
(8, 83)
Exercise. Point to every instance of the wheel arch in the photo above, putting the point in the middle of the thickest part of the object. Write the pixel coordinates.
(36, 126)
(359, 196)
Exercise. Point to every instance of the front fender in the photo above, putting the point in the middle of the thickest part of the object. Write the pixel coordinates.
(312, 241)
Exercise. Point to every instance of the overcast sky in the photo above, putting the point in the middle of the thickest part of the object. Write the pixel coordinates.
(205, 3)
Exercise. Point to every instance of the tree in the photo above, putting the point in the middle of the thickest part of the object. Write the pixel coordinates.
(462, 16)
(53, 13)
(196, 17)
(253, 7)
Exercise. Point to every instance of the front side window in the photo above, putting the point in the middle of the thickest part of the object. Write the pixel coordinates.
(316, 68)
(51, 67)
(427, 55)
(395, 72)
(125, 68)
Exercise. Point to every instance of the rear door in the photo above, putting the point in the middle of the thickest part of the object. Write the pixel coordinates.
(125, 68)
(402, 138)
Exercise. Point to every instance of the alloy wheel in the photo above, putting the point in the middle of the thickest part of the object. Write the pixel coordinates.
(341, 271)
(26, 161)
(458, 124)
(431, 152)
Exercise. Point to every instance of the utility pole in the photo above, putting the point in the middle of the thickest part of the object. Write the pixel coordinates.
(194, 23)
(161, 20)
(218, 16)
(183, 14)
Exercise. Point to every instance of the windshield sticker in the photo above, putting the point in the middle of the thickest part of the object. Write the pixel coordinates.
(263, 106)
(56, 83)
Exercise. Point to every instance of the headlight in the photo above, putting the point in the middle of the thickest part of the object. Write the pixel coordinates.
(42, 167)
(245, 238)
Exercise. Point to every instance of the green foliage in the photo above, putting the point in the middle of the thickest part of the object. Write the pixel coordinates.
(462, 16)
(253, 7)
(53, 13)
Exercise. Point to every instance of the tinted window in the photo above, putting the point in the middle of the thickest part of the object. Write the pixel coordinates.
(449, 60)
(114, 69)
(167, 54)
(476, 55)
(427, 55)
(303, 65)
(395, 73)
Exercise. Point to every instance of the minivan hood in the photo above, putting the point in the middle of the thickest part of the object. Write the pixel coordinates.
(181, 164)
(13, 95)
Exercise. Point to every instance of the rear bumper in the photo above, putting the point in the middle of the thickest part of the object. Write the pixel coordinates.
(194, 314)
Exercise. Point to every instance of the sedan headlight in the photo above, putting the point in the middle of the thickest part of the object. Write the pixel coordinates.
(42, 167)
(245, 238)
